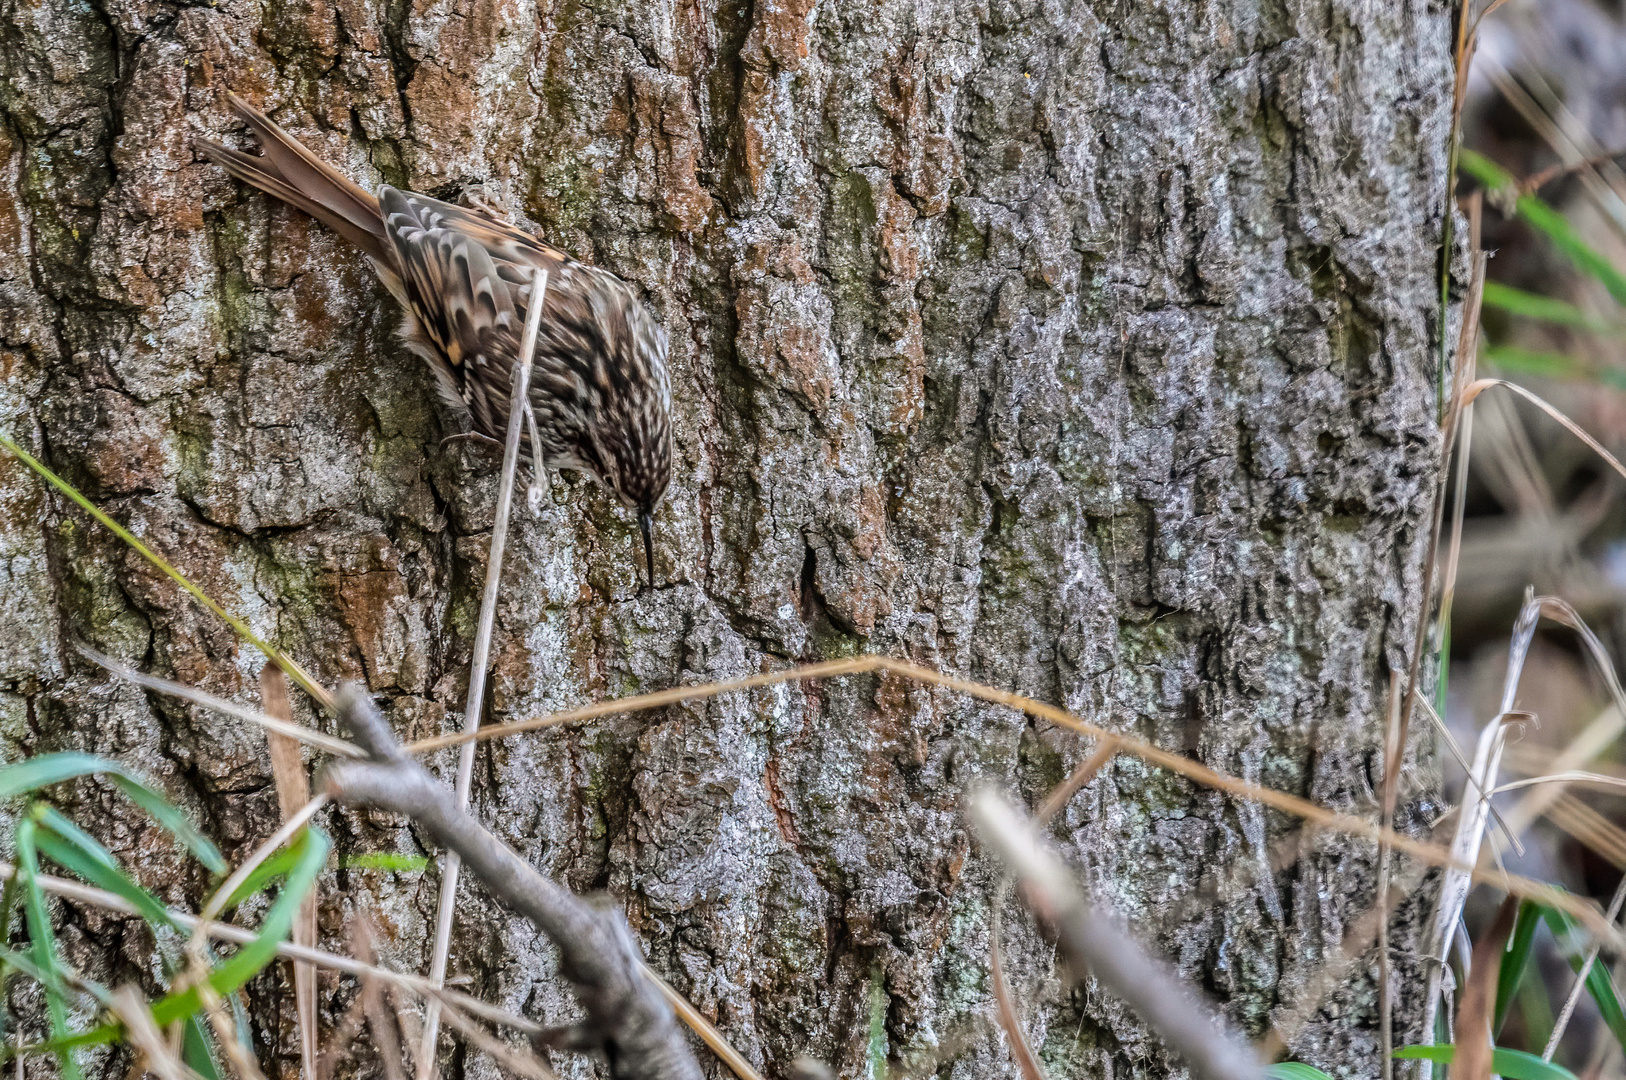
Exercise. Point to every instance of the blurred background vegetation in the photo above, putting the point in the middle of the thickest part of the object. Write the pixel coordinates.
(1546, 102)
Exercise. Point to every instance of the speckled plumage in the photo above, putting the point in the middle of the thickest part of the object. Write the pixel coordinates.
(600, 392)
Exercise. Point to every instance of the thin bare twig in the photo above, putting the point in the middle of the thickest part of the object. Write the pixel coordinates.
(517, 398)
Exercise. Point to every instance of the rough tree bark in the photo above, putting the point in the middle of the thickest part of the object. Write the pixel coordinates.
(1083, 349)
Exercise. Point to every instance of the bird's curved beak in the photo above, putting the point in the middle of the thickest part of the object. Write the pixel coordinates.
(646, 524)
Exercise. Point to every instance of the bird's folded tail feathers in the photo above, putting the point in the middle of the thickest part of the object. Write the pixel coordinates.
(292, 173)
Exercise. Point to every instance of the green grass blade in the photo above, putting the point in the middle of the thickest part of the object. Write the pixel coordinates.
(277, 866)
(293, 670)
(391, 861)
(198, 1049)
(1293, 1070)
(70, 847)
(1515, 960)
(248, 960)
(170, 817)
(1542, 217)
(1508, 1064)
(1598, 983)
(42, 941)
(1551, 365)
(47, 769)
(1528, 305)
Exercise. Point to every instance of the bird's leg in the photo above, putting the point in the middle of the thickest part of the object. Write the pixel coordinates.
(539, 472)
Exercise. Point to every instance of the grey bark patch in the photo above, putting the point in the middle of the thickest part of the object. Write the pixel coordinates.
(1081, 349)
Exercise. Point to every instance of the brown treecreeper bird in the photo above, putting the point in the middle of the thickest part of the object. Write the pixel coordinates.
(600, 393)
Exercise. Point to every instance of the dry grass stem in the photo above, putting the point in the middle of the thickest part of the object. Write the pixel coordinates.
(287, 728)
(293, 792)
(1508, 833)
(263, 852)
(1591, 828)
(1481, 385)
(1593, 740)
(1471, 822)
(1357, 940)
(1010, 1019)
(520, 392)
(1478, 1008)
(626, 1017)
(1448, 439)
(527, 1065)
(715, 1041)
(1573, 777)
(1105, 750)
(1392, 750)
(1194, 771)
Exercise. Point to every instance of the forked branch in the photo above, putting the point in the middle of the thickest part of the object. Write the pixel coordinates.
(627, 1018)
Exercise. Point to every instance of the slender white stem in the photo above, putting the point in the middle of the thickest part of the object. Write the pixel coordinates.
(519, 394)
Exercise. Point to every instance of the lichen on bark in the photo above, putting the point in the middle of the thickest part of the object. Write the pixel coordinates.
(1082, 349)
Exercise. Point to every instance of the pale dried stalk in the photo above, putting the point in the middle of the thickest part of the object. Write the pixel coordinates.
(1593, 740)
(1591, 828)
(1010, 1020)
(1105, 750)
(261, 853)
(702, 1027)
(219, 704)
(226, 1034)
(528, 1065)
(293, 793)
(1459, 401)
(1471, 823)
(131, 1007)
(519, 395)
(1392, 750)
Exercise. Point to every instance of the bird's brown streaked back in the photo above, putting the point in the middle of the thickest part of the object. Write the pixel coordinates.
(600, 392)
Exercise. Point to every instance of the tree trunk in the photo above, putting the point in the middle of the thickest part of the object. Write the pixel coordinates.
(1082, 349)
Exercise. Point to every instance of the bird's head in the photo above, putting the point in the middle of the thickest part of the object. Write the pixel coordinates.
(628, 442)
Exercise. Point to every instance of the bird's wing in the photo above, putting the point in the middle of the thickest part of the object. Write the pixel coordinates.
(467, 280)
